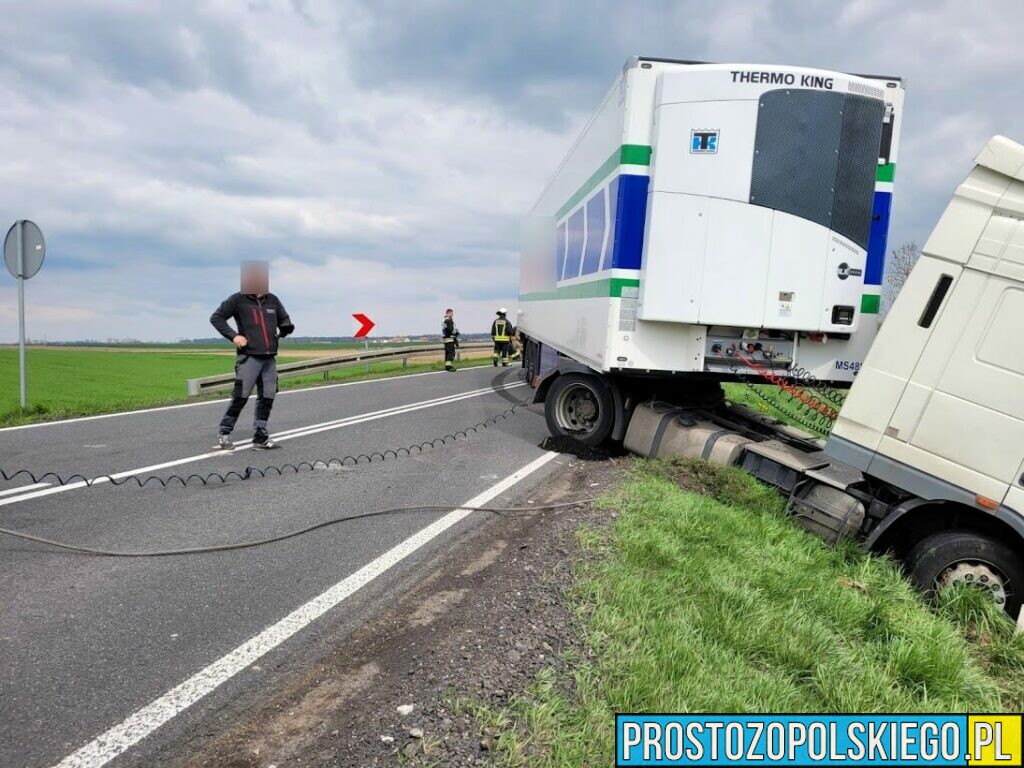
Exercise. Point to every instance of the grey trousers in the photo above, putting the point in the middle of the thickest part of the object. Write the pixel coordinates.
(258, 372)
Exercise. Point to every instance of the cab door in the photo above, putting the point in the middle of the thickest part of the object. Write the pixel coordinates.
(1015, 496)
(970, 427)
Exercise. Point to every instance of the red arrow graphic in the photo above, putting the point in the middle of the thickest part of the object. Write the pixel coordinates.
(366, 324)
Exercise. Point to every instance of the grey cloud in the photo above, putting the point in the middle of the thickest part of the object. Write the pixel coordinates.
(537, 61)
(960, 66)
(158, 144)
(163, 48)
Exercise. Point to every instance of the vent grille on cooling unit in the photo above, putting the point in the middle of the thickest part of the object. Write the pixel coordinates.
(815, 155)
(867, 90)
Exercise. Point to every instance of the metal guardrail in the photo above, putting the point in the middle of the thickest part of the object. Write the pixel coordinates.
(326, 364)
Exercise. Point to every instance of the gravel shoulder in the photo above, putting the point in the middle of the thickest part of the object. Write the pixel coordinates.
(478, 626)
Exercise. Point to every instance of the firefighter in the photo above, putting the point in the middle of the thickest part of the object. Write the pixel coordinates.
(450, 337)
(501, 334)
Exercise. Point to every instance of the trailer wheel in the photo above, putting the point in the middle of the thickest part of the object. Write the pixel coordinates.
(963, 557)
(580, 407)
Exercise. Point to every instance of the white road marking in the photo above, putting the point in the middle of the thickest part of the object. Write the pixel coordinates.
(143, 722)
(302, 390)
(23, 489)
(291, 434)
(404, 409)
(294, 431)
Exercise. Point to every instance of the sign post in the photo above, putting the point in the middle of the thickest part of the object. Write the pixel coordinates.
(24, 251)
(22, 385)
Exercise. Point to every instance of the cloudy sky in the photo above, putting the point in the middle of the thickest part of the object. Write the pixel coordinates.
(381, 154)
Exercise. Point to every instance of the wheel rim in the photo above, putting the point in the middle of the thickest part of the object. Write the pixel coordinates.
(578, 410)
(976, 573)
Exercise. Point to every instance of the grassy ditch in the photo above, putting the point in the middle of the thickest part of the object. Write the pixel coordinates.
(703, 596)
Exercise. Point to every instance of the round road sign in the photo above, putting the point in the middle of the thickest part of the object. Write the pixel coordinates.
(32, 246)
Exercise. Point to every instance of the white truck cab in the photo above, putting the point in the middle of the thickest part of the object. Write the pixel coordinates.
(937, 408)
(938, 405)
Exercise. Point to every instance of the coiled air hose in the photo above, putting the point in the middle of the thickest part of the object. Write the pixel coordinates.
(274, 469)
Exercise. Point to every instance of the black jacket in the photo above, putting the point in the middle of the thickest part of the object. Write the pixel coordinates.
(260, 320)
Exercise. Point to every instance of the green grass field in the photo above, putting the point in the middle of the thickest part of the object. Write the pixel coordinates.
(774, 402)
(704, 596)
(63, 383)
(78, 382)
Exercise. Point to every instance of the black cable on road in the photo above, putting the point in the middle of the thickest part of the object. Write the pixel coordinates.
(526, 511)
(273, 469)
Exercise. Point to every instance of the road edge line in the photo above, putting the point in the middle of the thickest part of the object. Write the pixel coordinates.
(141, 723)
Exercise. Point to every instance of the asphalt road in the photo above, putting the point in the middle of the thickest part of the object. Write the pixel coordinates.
(92, 646)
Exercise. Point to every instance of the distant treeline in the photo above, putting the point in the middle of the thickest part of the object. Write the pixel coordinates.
(216, 340)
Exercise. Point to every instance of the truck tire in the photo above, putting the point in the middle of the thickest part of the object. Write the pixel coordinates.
(950, 557)
(580, 407)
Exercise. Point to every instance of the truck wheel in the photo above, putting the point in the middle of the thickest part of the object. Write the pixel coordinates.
(580, 407)
(962, 557)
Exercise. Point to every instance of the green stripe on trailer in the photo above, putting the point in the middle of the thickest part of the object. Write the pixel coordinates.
(886, 172)
(593, 289)
(627, 154)
(635, 154)
(612, 287)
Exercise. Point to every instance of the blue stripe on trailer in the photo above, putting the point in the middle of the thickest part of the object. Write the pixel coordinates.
(560, 251)
(630, 216)
(575, 252)
(613, 215)
(878, 238)
(595, 233)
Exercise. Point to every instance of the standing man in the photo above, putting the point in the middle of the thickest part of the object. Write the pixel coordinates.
(260, 319)
(501, 334)
(450, 337)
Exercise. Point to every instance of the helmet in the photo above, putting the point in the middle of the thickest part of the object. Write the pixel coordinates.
(502, 311)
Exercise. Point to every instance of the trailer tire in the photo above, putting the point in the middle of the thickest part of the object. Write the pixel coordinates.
(963, 556)
(581, 407)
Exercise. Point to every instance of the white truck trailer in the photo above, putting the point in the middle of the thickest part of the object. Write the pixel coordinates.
(926, 456)
(707, 208)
